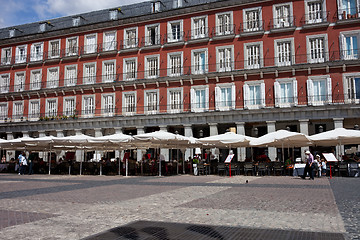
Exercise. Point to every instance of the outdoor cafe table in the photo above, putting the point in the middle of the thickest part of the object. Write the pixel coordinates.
(299, 169)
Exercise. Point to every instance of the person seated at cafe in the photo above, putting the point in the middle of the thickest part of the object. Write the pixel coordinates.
(289, 165)
(3, 159)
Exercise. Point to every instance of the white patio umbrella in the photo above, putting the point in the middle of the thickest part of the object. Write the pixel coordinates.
(228, 139)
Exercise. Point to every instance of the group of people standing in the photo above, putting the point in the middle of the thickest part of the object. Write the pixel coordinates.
(23, 164)
(314, 166)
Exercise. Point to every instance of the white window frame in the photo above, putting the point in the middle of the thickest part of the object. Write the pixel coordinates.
(147, 71)
(219, 100)
(342, 9)
(85, 112)
(22, 58)
(34, 57)
(322, 12)
(157, 36)
(76, 21)
(246, 27)
(114, 14)
(194, 103)
(5, 86)
(343, 47)
(170, 104)
(155, 6)
(229, 29)
(19, 87)
(47, 110)
(17, 116)
(345, 77)
(261, 62)
(292, 52)
(125, 75)
(277, 92)
(194, 33)
(170, 67)
(51, 51)
(109, 46)
(108, 77)
(193, 61)
(177, 3)
(34, 116)
(35, 85)
(91, 79)
(5, 60)
(227, 67)
(246, 92)
(310, 90)
(124, 94)
(325, 50)
(127, 41)
(277, 23)
(146, 109)
(66, 79)
(5, 115)
(90, 48)
(53, 83)
(170, 37)
(105, 110)
(65, 110)
(72, 53)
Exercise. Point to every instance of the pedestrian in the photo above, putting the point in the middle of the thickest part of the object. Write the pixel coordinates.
(20, 158)
(323, 167)
(309, 167)
(317, 165)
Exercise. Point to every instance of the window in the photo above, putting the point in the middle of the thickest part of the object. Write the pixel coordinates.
(113, 14)
(3, 111)
(90, 44)
(109, 73)
(108, 104)
(199, 98)
(12, 33)
(254, 94)
(53, 77)
(175, 99)
(34, 109)
(42, 27)
(224, 23)
(225, 56)
(130, 37)
(348, 9)
(89, 73)
(225, 96)
(253, 55)
(18, 110)
(19, 82)
(129, 103)
(88, 106)
(152, 66)
(284, 52)
(282, 15)
(130, 68)
(54, 49)
(319, 90)
(151, 102)
(317, 48)
(69, 106)
(109, 41)
(21, 54)
(175, 64)
(349, 45)
(35, 79)
(76, 21)
(155, 7)
(285, 92)
(70, 75)
(37, 52)
(4, 83)
(352, 87)
(177, 3)
(72, 46)
(175, 31)
(252, 19)
(199, 61)
(6, 56)
(152, 35)
(315, 11)
(51, 107)
(199, 27)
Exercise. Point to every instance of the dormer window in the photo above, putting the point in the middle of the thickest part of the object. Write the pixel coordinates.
(155, 7)
(43, 27)
(76, 21)
(177, 3)
(12, 32)
(114, 14)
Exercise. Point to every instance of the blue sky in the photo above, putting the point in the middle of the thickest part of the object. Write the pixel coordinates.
(17, 12)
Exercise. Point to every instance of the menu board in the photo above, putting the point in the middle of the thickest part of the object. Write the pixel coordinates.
(229, 158)
(330, 157)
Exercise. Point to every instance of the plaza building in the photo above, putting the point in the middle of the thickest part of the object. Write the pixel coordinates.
(197, 68)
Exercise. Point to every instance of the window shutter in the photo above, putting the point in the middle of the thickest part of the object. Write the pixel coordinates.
(277, 94)
(217, 97)
(329, 90)
(207, 99)
(192, 100)
(295, 94)
(246, 95)
(233, 96)
(310, 91)
(32, 50)
(262, 94)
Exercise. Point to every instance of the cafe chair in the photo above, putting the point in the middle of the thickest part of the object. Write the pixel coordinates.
(278, 167)
(263, 169)
(221, 168)
(249, 167)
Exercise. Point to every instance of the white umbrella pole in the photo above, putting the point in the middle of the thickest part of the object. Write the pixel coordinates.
(81, 160)
(159, 163)
(282, 151)
(50, 162)
(119, 171)
(177, 161)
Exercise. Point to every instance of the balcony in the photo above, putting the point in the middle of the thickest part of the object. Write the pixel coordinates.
(347, 16)
(53, 56)
(223, 32)
(315, 20)
(36, 59)
(200, 35)
(71, 53)
(174, 39)
(90, 51)
(151, 42)
(129, 45)
(252, 28)
(284, 24)
(108, 48)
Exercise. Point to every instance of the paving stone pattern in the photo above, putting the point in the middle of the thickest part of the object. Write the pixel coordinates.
(178, 207)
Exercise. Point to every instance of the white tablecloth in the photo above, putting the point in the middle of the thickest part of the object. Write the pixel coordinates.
(299, 169)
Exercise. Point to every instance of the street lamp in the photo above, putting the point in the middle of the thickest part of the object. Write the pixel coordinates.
(321, 129)
(356, 127)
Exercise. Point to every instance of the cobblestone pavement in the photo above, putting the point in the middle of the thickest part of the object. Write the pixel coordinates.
(178, 207)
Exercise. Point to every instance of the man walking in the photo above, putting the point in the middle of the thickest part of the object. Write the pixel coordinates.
(309, 168)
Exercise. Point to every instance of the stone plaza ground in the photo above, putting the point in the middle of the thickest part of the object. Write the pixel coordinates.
(178, 207)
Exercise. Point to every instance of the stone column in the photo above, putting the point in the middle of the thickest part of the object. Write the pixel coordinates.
(140, 130)
(271, 150)
(165, 152)
(304, 128)
(60, 133)
(79, 153)
(213, 132)
(98, 154)
(118, 153)
(241, 152)
(188, 133)
(43, 155)
(10, 153)
(339, 123)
